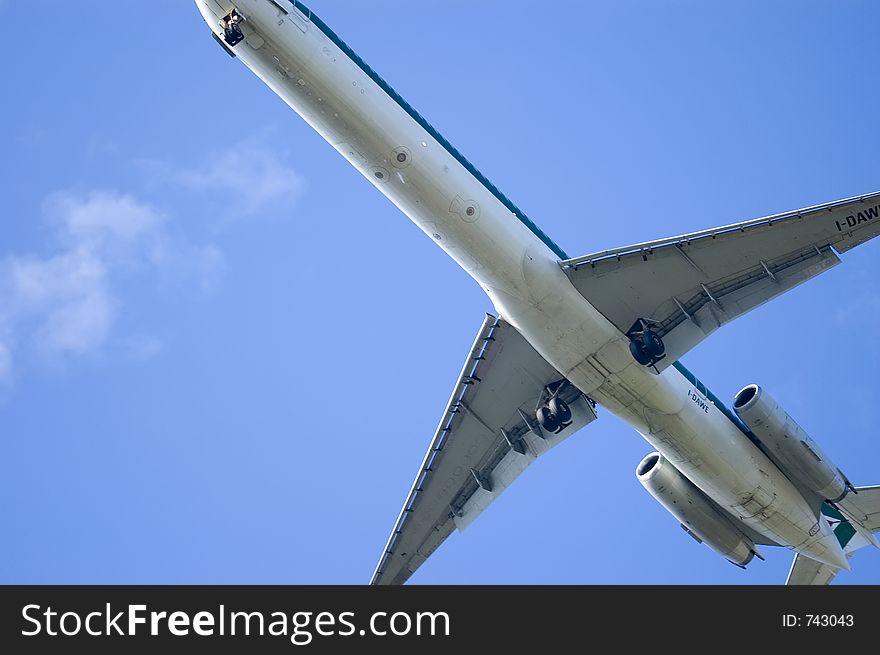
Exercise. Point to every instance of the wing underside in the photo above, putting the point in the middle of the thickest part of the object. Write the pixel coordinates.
(688, 286)
(487, 436)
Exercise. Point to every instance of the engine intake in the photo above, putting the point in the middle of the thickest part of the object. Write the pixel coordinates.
(797, 454)
(698, 515)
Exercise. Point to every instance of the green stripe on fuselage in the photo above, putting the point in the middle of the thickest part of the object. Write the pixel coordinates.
(678, 366)
(504, 200)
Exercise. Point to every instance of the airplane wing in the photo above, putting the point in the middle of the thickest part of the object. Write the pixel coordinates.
(690, 285)
(864, 507)
(806, 571)
(487, 436)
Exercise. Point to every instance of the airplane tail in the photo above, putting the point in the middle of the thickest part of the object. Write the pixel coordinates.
(855, 520)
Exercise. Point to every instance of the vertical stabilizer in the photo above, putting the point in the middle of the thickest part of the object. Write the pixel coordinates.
(855, 520)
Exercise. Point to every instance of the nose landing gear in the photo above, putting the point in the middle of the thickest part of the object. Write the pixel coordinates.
(231, 24)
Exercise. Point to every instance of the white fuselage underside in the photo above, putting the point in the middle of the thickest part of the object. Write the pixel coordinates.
(304, 63)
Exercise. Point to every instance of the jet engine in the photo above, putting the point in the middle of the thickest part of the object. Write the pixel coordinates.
(798, 455)
(699, 516)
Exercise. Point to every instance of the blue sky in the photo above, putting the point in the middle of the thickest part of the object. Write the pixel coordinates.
(206, 314)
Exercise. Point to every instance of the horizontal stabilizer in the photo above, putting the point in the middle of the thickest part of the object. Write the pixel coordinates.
(864, 507)
(854, 526)
(806, 571)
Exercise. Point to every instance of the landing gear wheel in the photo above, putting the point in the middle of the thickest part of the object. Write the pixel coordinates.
(637, 350)
(653, 344)
(560, 409)
(645, 345)
(547, 419)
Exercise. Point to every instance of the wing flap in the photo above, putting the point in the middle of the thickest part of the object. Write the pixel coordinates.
(499, 475)
(485, 440)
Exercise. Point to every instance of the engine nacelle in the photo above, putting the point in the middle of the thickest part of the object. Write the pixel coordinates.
(696, 513)
(799, 456)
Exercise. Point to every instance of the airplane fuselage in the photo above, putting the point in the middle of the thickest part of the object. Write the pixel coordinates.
(313, 71)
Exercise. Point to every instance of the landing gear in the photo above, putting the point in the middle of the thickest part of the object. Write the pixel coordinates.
(231, 24)
(560, 408)
(547, 419)
(554, 414)
(645, 345)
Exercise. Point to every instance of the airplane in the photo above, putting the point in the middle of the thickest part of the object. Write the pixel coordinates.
(573, 336)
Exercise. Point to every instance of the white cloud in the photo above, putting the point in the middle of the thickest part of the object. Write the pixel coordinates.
(102, 219)
(247, 178)
(67, 303)
(67, 294)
